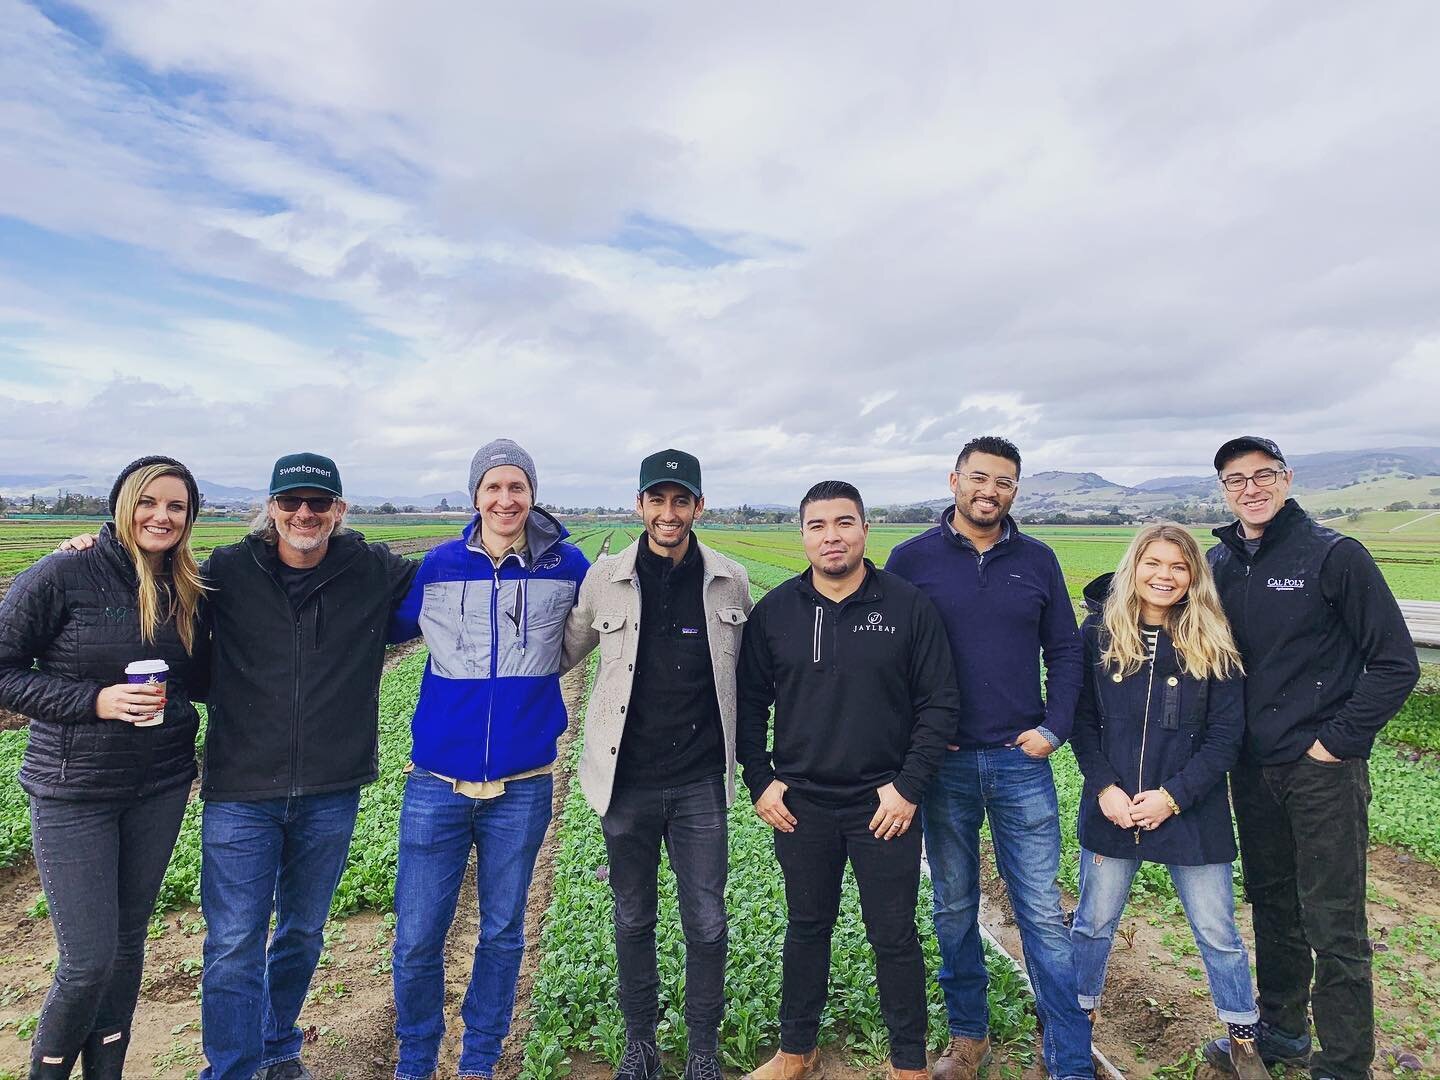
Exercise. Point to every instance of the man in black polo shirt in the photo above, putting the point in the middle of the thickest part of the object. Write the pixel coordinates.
(1328, 662)
(858, 667)
(659, 757)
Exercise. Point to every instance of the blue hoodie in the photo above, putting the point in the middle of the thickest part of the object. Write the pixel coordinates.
(490, 704)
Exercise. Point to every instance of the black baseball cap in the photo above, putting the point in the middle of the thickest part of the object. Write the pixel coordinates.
(305, 471)
(1246, 444)
(671, 467)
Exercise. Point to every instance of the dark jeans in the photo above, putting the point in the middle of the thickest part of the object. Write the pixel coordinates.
(690, 820)
(101, 864)
(812, 859)
(1303, 832)
(274, 855)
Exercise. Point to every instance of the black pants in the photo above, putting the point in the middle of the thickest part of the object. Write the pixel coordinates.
(1303, 833)
(690, 820)
(812, 859)
(101, 864)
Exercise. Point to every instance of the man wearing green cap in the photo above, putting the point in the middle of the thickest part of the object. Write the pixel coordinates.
(298, 612)
(659, 759)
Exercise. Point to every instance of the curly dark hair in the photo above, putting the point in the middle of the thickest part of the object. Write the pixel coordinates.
(997, 445)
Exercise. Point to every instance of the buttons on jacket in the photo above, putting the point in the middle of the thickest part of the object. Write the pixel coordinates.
(1117, 677)
(1172, 681)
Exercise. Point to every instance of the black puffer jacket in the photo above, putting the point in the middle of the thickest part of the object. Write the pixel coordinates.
(75, 613)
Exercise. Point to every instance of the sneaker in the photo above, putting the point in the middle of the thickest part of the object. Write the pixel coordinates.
(962, 1059)
(641, 1061)
(702, 1067)
(285, 1070)
(1274, 1048)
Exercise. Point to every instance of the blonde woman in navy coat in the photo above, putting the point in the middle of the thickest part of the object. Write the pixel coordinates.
(1159, 724)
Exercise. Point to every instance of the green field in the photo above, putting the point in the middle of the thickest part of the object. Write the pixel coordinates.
(1409, 561)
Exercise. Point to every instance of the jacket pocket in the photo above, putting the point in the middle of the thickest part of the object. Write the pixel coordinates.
(732, 623)
(612, 641)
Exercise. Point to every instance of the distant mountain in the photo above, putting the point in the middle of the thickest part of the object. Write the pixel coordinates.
(1330, 480)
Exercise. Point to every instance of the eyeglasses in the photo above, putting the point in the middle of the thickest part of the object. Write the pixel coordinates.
(1262, 478)
(319, 504)
(1003, 484)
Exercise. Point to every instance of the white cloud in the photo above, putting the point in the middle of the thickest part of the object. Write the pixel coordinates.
(1117, 236)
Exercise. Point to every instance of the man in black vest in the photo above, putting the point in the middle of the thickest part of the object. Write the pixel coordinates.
(1328, 662)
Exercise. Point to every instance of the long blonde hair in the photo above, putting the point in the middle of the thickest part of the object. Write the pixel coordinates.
(1196, 625)
(182, 597)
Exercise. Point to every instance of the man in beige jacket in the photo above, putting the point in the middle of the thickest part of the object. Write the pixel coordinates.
(659, 757)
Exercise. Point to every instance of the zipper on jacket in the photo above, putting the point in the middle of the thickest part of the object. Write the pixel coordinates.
(815, 637)
(1144, 732)
(494, 666)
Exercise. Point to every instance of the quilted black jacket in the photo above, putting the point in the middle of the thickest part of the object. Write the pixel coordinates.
(68, 627)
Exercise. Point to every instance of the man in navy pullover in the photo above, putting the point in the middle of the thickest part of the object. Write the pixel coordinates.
(1004, 604)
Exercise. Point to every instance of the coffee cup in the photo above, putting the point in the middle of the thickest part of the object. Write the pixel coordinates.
(148, 673)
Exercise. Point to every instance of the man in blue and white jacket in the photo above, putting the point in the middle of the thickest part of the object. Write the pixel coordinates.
(492, 606)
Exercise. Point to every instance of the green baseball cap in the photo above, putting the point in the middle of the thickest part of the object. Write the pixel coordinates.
(671, 467)
(305, 471)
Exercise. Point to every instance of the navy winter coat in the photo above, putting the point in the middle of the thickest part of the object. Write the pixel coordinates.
(1190, 730)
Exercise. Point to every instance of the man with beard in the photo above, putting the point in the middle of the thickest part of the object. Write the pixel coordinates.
(1328, 662)
(659, 757)
(297, 613)
(1004, 604)
(856, 664)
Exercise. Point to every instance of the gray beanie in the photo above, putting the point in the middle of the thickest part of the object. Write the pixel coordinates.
(501, 452)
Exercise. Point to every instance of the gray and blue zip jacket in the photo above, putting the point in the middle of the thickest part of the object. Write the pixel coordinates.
(490, 704)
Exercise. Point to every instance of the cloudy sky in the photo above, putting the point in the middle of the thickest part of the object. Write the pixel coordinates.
(801, 240)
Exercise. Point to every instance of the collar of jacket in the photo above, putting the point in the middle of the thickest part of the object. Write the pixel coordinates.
(1167, 660)
(542, 532)
(623, 567)
(1009, 530)
(1288, 518)
(114, 552)
(343, 547)
(869, 592)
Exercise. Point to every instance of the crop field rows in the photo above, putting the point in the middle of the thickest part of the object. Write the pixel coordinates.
(572, 1008)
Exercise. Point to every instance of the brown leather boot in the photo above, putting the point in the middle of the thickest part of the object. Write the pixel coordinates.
(908, 1074)
(962, 1059)
(785, 1066)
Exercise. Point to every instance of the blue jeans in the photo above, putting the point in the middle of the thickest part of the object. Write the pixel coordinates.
(690, 821)
(1017, 793)
(275, 855)
(437, 830)
(1208, 897)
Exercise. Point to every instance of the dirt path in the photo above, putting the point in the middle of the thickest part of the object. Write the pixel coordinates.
(1156, 1010)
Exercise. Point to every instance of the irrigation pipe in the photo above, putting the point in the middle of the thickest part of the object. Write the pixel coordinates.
(1102, 1063)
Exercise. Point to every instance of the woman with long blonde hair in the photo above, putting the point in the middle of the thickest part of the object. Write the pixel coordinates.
(1159, 724)
(109, 762)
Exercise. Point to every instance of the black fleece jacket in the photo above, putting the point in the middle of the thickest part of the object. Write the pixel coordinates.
(294, 691)
(1327, 654)
(864, 690)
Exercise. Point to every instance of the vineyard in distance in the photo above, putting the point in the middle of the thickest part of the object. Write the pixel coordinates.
(1157, 1009)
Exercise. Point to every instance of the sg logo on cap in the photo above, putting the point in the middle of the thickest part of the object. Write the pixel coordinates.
(672, 465)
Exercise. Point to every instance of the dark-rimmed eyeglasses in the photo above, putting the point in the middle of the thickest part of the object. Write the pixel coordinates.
(1261, 477)
(319, 504)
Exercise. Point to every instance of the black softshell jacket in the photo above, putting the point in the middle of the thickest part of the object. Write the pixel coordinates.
(294, 697)
(864, 690)
(68, 627)
(1327, 654)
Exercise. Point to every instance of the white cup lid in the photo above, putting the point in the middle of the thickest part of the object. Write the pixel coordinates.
(146, 667)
